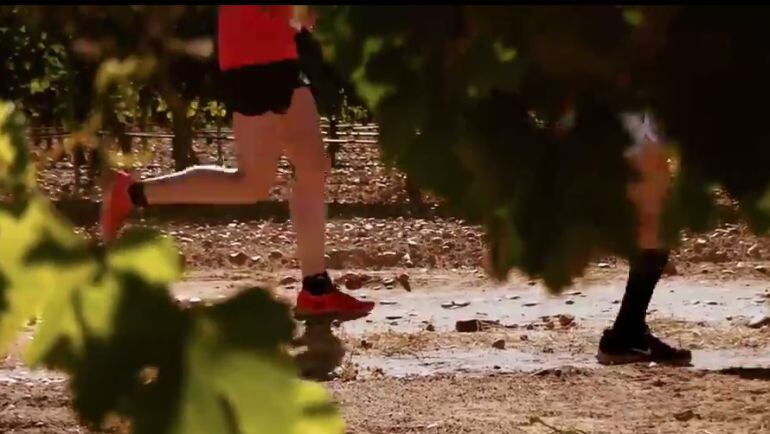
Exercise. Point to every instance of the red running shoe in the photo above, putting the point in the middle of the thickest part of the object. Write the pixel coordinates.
(116, 205)
(331, 303)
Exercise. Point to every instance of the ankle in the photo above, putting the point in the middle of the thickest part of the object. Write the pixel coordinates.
(650, 261)
(136, 193)
(318, 284)
(630, 329)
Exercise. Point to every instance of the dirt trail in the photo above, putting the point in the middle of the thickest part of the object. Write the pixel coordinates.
(710, 317)
(612, 400)
(409, 371)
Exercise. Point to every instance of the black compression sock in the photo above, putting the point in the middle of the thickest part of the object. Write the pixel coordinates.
(136, 192)
(318, 284)
(644, 273)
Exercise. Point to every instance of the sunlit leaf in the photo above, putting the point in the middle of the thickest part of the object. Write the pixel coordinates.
(227, 375)
(147, 254)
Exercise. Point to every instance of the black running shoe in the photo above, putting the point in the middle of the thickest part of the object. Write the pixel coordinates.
(618, 348)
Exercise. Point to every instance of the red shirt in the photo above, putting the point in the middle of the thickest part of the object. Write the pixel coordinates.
(254, 35)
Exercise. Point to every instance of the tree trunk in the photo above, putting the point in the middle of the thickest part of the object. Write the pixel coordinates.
(334, 147)
(414, 193)
(220, 156)
(181, 144)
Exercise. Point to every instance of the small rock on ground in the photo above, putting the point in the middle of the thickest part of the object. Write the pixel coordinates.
(684, 416)
(566, 319)
(403, 279)
(759, 321)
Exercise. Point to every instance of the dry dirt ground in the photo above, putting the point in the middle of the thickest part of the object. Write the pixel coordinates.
(531, 368)
(610, 400)
(409, 371)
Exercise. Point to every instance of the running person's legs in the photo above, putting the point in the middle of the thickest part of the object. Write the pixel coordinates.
(259, 97)
(629, 339)
(287, 118)
(258, 147)
(306, 151)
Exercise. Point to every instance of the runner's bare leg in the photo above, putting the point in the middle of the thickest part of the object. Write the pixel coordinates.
(305, 149)
(258, 146)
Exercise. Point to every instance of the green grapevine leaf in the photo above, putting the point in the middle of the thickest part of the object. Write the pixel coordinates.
(145, 253)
